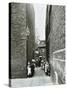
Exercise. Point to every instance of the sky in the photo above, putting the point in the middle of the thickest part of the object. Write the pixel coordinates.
(40, 15)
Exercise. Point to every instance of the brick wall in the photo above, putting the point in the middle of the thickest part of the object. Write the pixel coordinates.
(57, 28)
(30, 15)
(18, 40)
(55, 40)
(22, 44)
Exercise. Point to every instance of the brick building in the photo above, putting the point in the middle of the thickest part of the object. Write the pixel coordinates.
(30, 22)
(42, 48)
(21, 26)
(55, 42)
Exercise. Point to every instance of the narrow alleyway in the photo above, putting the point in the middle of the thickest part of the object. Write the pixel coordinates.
(39, 72)
(39, 79)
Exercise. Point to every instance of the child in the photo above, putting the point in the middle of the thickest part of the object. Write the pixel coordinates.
(28, 69)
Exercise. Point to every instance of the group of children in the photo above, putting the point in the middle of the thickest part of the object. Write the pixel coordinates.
(31, 68)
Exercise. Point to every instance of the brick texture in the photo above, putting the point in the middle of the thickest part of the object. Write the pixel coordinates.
(55, 40)
(18, 40)
(21, 44)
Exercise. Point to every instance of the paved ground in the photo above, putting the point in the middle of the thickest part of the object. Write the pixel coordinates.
(39, 79)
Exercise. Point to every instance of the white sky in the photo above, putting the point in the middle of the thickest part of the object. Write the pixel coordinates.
(40, 13)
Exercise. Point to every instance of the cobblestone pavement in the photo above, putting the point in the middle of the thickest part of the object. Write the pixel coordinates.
(39, 79)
